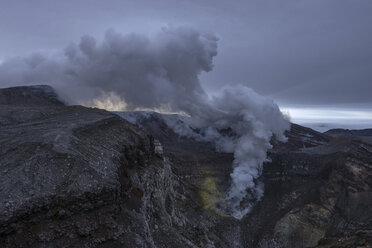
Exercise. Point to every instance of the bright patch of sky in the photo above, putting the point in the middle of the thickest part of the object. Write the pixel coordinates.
(323, 119)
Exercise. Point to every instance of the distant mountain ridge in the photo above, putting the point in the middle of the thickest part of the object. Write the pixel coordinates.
(357, 132)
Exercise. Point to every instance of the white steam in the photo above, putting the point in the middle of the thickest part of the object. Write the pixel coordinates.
(240, 121)
(161, 72)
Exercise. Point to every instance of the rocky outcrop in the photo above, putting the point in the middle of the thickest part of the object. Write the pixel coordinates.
(301, 206)
(78, 177)
(36, 95)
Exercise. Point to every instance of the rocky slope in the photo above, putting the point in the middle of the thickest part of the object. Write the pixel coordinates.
(364, 135)
(80, 177)
(317, 187)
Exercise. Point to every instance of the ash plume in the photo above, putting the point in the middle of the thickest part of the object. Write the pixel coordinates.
(161, 72)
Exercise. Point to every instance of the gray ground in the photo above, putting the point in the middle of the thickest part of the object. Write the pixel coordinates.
(79, 177)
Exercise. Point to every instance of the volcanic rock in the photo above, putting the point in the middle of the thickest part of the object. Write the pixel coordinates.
(73, 176)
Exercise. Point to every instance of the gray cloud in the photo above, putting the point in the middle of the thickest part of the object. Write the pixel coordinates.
(279, 48)
(162, 71)
(146, 72)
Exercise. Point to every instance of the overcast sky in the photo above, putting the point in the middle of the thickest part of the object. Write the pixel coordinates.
(301, 53)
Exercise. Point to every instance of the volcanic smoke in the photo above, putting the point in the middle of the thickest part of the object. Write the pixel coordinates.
(162, 72)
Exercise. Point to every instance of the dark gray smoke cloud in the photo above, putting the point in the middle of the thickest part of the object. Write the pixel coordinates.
(161, 72)
(146, 72)
(294, 51)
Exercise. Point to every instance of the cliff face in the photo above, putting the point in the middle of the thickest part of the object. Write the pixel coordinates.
(317, 188)
(79, 177)
(72, 176)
